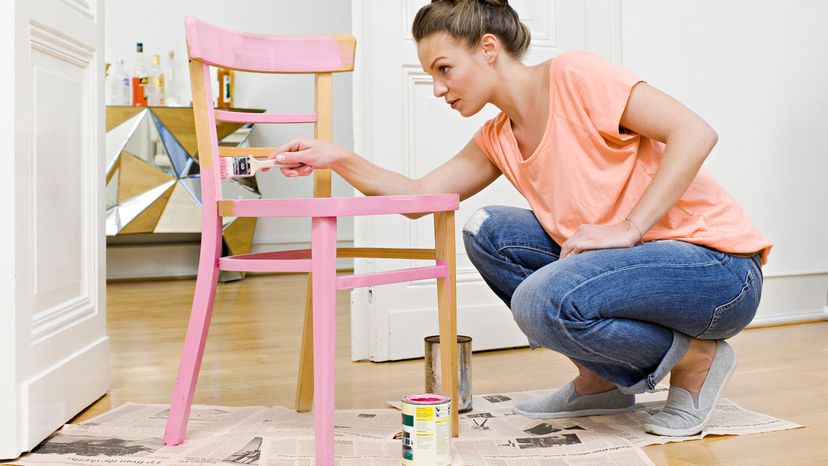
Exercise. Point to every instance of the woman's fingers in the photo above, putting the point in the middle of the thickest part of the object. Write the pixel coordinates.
(293, 145)
(289, 172)
(303, 170)
(294, 157)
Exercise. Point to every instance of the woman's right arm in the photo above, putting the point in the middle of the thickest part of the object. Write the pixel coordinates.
(465, 174)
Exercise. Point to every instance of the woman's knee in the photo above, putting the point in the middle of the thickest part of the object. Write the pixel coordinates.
(479, 232)
(546, 305)
(492, 228)
(537, 311)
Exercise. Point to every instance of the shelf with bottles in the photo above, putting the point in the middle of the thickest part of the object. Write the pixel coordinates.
(156, 87)
(139, 87)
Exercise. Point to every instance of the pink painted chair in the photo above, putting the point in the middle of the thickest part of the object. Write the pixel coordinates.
(321, 56)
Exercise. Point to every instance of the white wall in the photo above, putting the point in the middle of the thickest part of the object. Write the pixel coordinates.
(160, 26)
(756, 70)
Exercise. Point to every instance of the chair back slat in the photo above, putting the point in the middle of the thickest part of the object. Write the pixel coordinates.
(265, 118)
(268, 54)
(208, 45)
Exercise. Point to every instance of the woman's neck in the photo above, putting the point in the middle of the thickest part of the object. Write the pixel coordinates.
(525, 96)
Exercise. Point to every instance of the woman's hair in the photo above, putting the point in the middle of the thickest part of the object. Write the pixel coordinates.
(469, 20)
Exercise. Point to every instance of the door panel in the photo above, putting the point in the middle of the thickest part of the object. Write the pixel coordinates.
(58, 362)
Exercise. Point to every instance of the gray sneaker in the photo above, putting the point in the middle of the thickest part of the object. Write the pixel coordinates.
(683, 416)
(565, 402)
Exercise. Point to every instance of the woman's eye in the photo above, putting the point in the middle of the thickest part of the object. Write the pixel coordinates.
(444, 69)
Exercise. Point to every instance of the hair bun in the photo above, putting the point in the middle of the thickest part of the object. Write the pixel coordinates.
(469, 20)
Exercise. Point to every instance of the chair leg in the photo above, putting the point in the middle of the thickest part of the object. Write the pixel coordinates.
(323, 273)
(202, 310)
(304, 381)
(447, 310)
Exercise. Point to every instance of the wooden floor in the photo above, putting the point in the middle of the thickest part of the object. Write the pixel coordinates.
(252, 357)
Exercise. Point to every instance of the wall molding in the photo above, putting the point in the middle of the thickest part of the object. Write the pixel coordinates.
(180, 260)
(85, 7)
(51, 41)
(58, 318)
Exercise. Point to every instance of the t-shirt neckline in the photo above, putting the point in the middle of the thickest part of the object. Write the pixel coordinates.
(542, 143)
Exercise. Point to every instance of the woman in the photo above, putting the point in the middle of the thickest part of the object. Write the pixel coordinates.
(633, 262)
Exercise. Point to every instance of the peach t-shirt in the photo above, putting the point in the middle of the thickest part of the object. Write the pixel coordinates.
(586, 171)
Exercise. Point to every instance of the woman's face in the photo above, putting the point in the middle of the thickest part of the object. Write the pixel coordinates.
(460, 74)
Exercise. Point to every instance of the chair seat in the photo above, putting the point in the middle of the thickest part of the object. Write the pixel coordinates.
(338, 206)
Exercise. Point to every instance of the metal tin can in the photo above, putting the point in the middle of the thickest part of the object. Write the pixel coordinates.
(426, 430)
(433, 371)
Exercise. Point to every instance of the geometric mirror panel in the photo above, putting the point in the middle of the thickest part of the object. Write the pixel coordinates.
(153, 182)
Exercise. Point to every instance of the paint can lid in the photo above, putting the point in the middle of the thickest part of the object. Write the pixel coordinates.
(426, 399)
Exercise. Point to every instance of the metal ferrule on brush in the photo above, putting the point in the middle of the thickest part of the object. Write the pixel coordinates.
(242, 166)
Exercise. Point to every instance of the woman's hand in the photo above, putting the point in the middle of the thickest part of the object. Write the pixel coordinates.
(301, 156)
(590, 237)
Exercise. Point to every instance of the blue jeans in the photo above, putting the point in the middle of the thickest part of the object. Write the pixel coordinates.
(626, 314)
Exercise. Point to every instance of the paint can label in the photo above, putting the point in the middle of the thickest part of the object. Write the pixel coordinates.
(426, 430)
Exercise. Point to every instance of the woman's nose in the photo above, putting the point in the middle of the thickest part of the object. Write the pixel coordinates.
(440, 89)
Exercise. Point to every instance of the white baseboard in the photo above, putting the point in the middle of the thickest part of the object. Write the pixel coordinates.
(180, 259)
(407, 329)
(138, 261)
(793, 298)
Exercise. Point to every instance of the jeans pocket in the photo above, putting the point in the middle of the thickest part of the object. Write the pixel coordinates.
(731, 317)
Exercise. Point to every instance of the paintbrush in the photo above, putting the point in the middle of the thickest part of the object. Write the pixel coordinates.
(246, 165)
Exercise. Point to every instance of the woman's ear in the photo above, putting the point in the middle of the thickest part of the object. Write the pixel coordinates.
(490, 47)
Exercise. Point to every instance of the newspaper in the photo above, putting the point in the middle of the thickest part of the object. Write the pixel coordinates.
(728, 419)
(276, 436)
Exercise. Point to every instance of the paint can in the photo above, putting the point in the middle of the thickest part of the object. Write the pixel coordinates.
(433, 374)
(426, 430)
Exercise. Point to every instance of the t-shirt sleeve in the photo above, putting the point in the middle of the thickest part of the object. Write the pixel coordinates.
(594, 92)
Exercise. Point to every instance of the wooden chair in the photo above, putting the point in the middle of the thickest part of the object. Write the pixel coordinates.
(321, 56)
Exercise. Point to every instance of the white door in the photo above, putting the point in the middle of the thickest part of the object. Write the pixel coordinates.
(400, 125)
(54, 353)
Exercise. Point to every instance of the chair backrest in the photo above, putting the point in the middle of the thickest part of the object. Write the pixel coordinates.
(208, 45)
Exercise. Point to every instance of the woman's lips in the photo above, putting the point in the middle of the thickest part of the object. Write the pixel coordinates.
(454, 103)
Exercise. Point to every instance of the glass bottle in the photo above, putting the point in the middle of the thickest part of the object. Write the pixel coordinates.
(170, 96)
(156, 88)
(226, 80)
(139, 78)
(117, 85)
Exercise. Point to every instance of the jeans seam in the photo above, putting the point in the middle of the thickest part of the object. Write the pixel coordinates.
(719, 311)
(523, 270)
(527, 247)
(631, 267)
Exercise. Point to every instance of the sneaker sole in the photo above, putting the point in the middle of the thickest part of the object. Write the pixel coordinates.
(578, 413)
(689, 431)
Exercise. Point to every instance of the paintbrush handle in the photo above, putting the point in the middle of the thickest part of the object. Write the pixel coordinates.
(258, 164)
